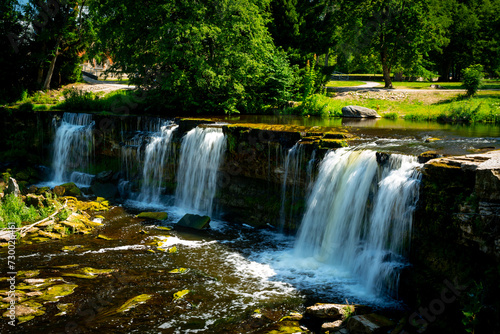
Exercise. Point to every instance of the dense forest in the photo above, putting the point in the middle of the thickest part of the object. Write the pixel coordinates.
(242, 55)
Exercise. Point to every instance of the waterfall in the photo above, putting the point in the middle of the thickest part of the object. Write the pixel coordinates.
(73, 145)
(291, 184)
(145, 158)
(359, 216)
(202, 152)
(156, 154)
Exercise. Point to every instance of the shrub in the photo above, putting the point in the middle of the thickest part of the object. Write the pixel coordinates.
(473, 79)
(390, 115)
(27, 106)
(13, 209)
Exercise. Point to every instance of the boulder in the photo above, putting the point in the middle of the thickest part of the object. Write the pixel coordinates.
(332, 326)
(71, 189)
(106, 190)
(335, 311)
(42, 191)
(194, 221)
(369, 324)
(359, 112)
(12, 187)
(153, 215)
(34, 200)
(59, 190)
(426, 156)
(32, 189)
(104, 177)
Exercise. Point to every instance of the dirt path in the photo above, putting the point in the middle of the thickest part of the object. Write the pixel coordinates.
(92, 85)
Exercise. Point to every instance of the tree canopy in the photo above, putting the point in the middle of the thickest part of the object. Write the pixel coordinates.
(243, 55)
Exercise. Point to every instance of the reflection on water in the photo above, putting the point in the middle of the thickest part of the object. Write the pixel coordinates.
(409, 137)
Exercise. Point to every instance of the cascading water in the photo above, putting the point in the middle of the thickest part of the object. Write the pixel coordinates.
(156, 154)
(359, 216)
(73, 146)
(291, 182)
(202, 152)
(145, 157)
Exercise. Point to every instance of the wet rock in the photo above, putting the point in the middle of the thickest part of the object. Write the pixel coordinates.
(333, 143)
(32, 189)
(133, 302)
(106, 190)
(71, 189)
(336, 135)
(194, 221)
(104, 177)
(382, 157)
(293, 316)
(153, 215)
(64, 309)
(59, 190)
(369, 324)
(34, 200)
(12, 187)
(53, 236)
(359, 112)
(43, 191)
(426, 156)
(335, 311)
(332, 326)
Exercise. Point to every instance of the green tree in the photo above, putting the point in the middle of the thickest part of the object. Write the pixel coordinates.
(473, 78)
(205, 56)
(59, 30)
(473, 33)
(400, 32)
(11, 46)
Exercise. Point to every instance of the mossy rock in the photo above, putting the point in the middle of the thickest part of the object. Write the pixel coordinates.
(40, 239)
(286, 327)
(50, 235)
(336, 135)
(429, 155)
(153, 215)
(64, 309)
(101, 236)
(59, 190)
(71, 248)
(27, 311)
(75, 225)
(333, 143)
(53, 293)
(67, 266)
(27, 273)
(133, 302)
(194, 221)
(71, 189)
(22, 176)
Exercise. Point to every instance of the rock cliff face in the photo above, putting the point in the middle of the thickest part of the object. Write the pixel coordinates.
(456, 232)
(456, 238)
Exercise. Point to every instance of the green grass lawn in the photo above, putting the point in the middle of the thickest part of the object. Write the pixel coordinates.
(484, 107)
(488, 84)
(344, 83)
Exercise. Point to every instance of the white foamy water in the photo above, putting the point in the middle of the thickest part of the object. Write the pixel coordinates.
(156, 155)
(359, 215)
(202, 152)
(73, 145)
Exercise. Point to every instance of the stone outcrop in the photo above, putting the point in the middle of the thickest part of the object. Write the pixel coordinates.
(369, 324)
(456, 237)
(194, 221)
(12, 187)
(359, 112)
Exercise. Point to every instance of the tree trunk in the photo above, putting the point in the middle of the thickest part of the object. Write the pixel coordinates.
(327, 55)
(48, 78)
(386, 69)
